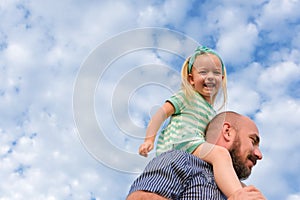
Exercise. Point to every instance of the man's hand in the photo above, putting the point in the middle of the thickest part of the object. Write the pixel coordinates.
(247, 193)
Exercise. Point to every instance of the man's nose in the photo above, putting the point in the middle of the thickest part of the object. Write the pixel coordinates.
(258, 153)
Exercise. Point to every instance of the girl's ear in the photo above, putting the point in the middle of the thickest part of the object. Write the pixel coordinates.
(191, 79)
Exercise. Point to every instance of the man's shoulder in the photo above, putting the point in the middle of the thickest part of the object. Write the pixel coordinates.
(178, 174)
(182, 157)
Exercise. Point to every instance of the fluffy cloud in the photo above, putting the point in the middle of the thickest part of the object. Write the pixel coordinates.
(43, 45)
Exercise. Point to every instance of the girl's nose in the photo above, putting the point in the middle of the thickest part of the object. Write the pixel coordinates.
(210, 75)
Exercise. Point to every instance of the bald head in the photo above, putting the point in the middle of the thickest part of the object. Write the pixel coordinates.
(226, 121)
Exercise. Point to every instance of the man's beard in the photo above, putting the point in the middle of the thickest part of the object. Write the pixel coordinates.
(242, 171)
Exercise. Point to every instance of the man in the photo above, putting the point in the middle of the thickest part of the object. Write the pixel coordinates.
(180, 175)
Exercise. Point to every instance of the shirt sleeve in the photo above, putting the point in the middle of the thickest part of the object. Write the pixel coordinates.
(177, 100)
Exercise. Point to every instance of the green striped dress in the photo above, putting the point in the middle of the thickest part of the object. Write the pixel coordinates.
(185, 130)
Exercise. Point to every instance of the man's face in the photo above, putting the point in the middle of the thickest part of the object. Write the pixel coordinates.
(245, 150)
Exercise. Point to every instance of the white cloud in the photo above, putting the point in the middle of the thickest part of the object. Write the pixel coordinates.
(280, 76)
(293, 197)
(272, 17)
(243, 96)
(237, 46)
(165, 13)
(43, 44)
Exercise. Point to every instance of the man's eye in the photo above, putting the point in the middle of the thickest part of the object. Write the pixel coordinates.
(254, 141)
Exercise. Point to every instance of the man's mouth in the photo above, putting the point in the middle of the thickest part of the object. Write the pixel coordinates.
(252, 159)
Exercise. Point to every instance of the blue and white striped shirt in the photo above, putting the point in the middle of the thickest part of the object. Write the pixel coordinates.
(178, 175)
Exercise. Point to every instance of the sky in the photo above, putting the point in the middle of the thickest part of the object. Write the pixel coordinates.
(80, 79)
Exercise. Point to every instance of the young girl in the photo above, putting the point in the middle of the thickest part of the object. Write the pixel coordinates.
(203, 74)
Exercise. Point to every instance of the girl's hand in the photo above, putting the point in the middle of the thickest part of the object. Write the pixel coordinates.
(145, 148)
(247, 193)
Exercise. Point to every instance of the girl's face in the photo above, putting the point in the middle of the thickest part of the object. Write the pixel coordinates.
(206, 75)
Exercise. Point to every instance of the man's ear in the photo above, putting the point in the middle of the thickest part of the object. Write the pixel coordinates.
(226, 131)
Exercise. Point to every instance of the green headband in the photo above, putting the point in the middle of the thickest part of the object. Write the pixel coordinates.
(200, 50)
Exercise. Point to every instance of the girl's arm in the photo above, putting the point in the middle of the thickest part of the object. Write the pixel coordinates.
(156, 121)
(224, 173)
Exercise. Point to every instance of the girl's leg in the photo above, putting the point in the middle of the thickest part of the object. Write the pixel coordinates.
(224, 173)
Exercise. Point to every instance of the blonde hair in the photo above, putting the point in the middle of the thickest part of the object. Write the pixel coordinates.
(189, 89)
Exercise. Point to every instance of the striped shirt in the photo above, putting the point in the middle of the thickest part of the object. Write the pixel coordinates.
(178, 175)
(185, 130)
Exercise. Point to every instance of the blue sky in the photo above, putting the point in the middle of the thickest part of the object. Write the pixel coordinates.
(53, 147)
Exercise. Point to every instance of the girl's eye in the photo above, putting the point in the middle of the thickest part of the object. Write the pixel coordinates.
(217, 73)
(203, 72)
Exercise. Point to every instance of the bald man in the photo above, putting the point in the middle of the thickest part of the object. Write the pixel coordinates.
(180, 175)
